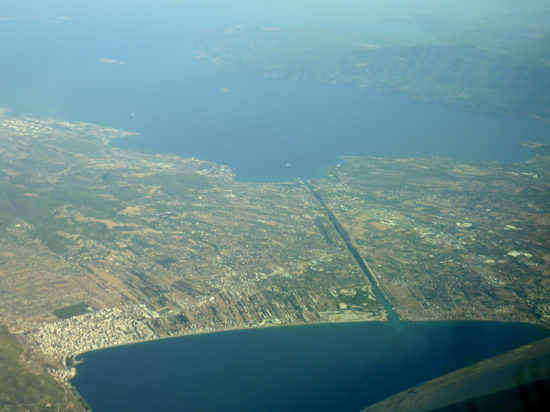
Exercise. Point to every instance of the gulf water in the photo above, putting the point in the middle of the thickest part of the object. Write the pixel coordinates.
(329, 367)
(268, 130)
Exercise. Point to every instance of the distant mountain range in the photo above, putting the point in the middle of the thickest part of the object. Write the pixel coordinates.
(496, 65)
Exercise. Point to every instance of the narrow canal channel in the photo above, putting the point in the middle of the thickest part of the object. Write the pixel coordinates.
(393, 317)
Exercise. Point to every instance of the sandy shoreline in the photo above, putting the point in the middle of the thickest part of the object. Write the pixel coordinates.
(224, 330)
(381, 320)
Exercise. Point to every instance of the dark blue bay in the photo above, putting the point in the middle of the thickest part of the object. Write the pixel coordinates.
(327, 367)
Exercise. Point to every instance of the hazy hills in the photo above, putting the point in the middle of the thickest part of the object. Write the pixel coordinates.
(443, 27)
(496, 66)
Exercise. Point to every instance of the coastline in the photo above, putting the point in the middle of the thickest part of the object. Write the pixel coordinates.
(128, 264)
(383, 319)
(411, 96)
(203, 332)
(73, 367)
(243, 339)
(121, 133)
(414, 321)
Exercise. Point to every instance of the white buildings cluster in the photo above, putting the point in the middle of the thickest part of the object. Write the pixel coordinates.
(99, 329)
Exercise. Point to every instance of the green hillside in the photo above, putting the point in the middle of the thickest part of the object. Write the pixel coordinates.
(24, 390)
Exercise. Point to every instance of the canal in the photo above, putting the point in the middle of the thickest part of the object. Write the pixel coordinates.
(393, 317)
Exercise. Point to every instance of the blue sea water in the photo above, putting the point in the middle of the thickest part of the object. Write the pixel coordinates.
(327, 367)
(259, 126)
(269, 130)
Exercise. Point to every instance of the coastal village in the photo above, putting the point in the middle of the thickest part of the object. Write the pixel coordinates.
(101, 246)
(96, 330)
